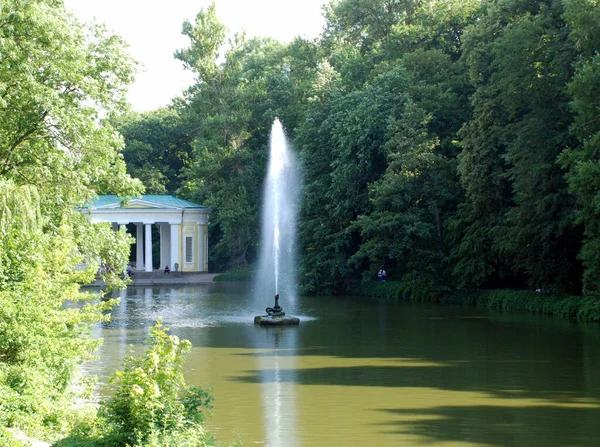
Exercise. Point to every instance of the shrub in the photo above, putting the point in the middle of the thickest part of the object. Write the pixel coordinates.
(152, 405)
(239, 274)
(7, 439)
(395, 290)
(585, 308)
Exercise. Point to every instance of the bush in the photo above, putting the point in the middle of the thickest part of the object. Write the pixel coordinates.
(7, 439)
(590, 308)
(585, 308)
(239, 274)
(394, 290)
(152, 405)
(389, 290)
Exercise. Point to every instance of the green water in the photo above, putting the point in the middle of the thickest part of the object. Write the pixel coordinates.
(358, 372)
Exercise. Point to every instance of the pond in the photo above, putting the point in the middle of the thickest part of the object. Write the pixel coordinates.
(360, 372)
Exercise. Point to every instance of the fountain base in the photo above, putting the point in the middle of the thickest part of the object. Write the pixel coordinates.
(275, 316)
(276, 320)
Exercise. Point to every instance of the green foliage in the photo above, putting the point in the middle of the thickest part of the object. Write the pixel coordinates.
(42, 339)
(152, 404)
(206, 35)
(396, 290)
(585, 308)
(58, 80)
(238, 274)
(232, 105)
(452, 142)
(388, 290)
(157, 148)
(518, 210)
(378, 150)
(582, 159)
(8, 440)
(405, 227)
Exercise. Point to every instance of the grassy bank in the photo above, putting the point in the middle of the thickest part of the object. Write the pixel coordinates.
(239, 274)
(585, 308)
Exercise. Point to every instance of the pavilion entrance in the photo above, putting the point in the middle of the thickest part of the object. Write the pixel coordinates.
(183, 225)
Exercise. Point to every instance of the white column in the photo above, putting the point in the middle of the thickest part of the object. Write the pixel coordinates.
(123, 227)
(205, 255)
(148, 263)
(175, 246)
(165, 246)
(139, 249)
(200, 248)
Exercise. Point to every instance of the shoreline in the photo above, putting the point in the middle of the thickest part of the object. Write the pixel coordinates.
(157, 278)
(573, 307)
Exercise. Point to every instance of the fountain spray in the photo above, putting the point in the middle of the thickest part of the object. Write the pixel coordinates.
(276, 273)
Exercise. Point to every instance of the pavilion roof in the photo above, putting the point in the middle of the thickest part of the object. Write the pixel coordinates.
(153, 200)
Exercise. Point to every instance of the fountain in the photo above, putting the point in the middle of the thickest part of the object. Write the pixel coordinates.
(277, 265)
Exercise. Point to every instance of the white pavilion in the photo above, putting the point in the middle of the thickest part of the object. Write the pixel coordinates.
(182, 228)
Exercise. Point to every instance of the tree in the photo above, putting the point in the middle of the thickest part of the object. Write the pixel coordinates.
(397, 74)
(519, 210)
(581, 159)
(405, 230)
(157, 148)
(58, 79)
(342, 155)
(233, 104)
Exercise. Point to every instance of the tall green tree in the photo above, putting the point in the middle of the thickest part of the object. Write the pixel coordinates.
(59, 82)
(157, 148)
(519, 212)
(398, 74)
(342, 158)
(437, 139)
(583, 18)
(233, 104)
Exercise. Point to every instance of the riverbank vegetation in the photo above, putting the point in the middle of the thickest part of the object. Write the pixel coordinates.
(453, 143)
(152, 406)
(236, 274)
(579, 307)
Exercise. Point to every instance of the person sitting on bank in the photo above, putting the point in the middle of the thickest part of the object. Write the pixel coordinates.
(167, 270)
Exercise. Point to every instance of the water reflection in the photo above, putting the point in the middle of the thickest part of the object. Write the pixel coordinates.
(374, 373)
(279, 399)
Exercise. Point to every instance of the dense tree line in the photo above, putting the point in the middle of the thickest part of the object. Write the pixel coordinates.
(60, 84)
(454, 143)
(62, 89)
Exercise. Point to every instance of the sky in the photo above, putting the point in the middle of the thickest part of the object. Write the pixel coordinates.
(153, 31)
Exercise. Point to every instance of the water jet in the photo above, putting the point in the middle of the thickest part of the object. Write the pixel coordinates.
(277, 260)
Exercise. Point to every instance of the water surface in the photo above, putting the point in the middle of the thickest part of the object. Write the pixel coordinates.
(359, 372)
